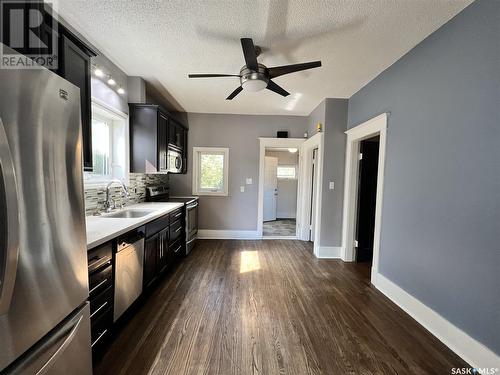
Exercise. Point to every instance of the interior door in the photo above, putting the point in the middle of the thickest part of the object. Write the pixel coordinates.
(270, 187)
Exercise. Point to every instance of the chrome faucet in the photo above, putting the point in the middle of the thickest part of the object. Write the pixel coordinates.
(107, 203)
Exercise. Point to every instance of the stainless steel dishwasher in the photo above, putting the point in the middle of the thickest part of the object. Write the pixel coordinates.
(128, 270)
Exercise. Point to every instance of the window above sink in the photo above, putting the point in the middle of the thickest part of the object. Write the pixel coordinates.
(110, 146)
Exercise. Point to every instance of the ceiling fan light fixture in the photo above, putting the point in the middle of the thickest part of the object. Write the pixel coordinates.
(254, 85)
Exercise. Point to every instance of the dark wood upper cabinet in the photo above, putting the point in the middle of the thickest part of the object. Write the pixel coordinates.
(152, 132)
(73, 60)
(75, 66)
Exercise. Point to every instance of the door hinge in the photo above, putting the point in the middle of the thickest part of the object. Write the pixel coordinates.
(360, 156)
(356, 243)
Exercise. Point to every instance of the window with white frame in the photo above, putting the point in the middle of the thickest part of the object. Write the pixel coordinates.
(288, 172)
(210, 171)
(110, 150)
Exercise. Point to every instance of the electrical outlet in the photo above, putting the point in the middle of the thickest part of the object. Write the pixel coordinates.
(249, 181)
(332, 185)
(242, 189)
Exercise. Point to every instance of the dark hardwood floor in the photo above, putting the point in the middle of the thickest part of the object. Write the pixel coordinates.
(271, 307)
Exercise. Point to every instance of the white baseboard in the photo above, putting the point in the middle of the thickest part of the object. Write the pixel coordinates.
(470, 350)
(328, 252)
(228, 234)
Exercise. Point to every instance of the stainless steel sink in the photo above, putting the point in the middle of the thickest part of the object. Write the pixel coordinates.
(128, 214)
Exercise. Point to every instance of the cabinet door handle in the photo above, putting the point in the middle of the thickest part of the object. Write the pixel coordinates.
(99, 309)
(91, 265)
(100, 336)
(178, 229)
(99, 285)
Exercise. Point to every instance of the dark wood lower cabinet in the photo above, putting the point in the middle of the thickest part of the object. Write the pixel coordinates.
(101, 292)
(162, 247)
(150, 259)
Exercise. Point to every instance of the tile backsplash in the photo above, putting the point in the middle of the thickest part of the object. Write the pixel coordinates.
(95, 196)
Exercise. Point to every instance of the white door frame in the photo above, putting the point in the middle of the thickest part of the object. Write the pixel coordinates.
(304, 191)
(267, 160)
(271, 143)
(368, 129)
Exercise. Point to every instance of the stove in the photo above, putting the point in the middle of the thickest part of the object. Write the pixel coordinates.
(161, 193)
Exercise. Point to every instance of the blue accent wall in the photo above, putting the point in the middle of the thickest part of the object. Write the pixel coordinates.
(440, 237)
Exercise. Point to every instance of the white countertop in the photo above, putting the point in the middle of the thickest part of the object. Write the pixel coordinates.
(101, 229)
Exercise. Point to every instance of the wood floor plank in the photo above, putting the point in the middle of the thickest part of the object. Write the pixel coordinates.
(270, 307)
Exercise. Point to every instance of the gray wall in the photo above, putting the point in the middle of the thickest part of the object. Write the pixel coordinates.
(440, 237)
(105, 93)
(332, 113)
(240, 133)
(333, 170)
(317, 115)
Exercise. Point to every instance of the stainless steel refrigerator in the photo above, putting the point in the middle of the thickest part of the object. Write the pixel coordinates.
(44, 317)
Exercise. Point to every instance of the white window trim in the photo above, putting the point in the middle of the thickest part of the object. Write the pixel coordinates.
(93, 181)
(196, 173)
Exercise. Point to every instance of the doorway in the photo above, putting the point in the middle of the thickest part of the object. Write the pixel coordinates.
(374, 130)
(367, 193)
(280, 192)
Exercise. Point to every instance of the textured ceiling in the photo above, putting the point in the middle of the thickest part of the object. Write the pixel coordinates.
(163, 41)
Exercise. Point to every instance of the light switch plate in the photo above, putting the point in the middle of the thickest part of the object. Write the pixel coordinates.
(242, 189)
(249, 181)
(332, 185)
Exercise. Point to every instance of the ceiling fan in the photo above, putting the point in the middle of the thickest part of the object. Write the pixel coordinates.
(254, 76)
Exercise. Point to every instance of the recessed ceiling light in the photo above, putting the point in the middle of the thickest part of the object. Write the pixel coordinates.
(111, 81)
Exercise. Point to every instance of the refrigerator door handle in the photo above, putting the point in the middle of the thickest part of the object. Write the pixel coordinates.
(61, 349)
(9, 221)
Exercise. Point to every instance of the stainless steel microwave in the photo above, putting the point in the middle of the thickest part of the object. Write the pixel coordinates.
(174, 160)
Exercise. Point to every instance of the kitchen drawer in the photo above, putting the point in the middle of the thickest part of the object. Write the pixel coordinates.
(99, 257)
(176, 215)
(101, 303)
(157, 225)
(176, 230)
(100, 280)
(101, 329)
(176, 248)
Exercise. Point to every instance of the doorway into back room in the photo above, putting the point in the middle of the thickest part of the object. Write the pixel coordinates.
(367, 193)
(280, 192)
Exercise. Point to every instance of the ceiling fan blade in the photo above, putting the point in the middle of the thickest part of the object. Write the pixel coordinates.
(234, 93)
(211, 75)
(287, 69)
(277, 89)
(249, 53)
